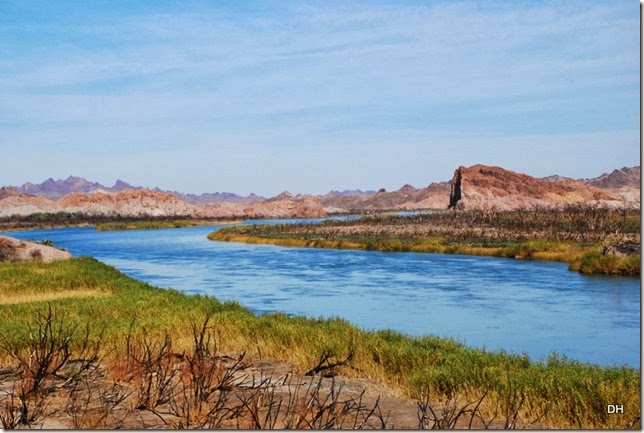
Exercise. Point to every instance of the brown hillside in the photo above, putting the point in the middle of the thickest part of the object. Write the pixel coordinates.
(485, 187)
(130, 202)
(281, 206)
(9, 191)
(434, 196)
(620, 178)
(26, 205)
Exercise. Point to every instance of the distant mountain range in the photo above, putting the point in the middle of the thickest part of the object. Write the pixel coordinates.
(623, 177)
(55, 189)
(478, 186)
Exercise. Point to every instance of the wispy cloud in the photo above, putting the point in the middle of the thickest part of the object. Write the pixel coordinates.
(310, 74)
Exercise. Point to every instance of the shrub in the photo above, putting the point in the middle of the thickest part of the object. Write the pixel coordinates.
(597, 263)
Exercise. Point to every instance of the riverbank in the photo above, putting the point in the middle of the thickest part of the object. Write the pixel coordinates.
(152, 225)
(125, 314)
(569, 236)
(47, 221)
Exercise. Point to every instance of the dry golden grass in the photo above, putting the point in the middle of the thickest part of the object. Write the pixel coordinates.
(52, 296)
(576, 394)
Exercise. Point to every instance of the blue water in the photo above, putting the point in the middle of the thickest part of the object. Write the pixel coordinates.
(520, 306)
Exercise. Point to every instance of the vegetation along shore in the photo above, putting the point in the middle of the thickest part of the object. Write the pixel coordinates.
(45, 220)
(85, 345)
(592, 239)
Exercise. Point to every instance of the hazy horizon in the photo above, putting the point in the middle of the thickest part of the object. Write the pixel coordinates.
(311, 97)
(374, 189)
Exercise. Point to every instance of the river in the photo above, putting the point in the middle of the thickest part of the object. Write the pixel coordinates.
(519, 306)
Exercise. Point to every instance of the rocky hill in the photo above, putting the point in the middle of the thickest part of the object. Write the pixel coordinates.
(218, 197)
(145, 202)
(407, 197)
(130, 202)
(55, 189)
(27, 205)
(473, 187)
(620, 178)
(485, 187)
(278, 207)
(10, 191)
(350, 192)
(434, 196)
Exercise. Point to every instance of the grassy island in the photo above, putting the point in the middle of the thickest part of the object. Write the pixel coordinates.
(80, 316)
(576, 235)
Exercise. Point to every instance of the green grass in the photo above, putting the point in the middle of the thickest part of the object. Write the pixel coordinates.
(101, 222)
(574, 235)
(597, 263)
(152, 224)
(559, 251)
(574, 394)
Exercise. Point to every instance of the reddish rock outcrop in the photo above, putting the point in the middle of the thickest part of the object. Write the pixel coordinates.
(485, 187)
(10, 191)
(27, 205)
(139, 202)
(282, 206)
(476, 187)
(145, 202)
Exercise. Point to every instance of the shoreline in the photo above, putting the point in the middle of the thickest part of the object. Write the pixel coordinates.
(157, 225)
(403, 363)
(577, 235)
(120, 225)
(573, 258)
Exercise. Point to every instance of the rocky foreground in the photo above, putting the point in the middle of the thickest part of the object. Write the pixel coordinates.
(476, 187)
(14, 250)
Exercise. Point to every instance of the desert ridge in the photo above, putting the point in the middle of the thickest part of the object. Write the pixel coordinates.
(475, 187)
(485, 187)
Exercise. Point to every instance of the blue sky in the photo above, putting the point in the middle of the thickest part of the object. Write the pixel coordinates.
(266, 96)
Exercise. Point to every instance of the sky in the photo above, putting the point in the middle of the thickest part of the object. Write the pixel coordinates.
(267, 96)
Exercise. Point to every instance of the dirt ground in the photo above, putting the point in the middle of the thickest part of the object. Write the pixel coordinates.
(238, 395)
(229, 393)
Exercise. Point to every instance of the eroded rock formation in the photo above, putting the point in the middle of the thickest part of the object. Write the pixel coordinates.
(486, 187)
(476, 187)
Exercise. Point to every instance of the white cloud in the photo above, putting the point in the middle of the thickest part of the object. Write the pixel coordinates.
(320, 76)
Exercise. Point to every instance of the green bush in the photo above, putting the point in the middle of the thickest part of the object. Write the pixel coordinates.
(597, 263)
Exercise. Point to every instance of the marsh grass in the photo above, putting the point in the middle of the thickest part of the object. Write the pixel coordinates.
(45, 220)
(574, 235)
(556, 391)
(559, 251)
(143, 225)
(597, 263)
(158, 224)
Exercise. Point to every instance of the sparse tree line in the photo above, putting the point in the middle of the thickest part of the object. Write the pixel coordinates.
(579, 223)
(71, 219)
